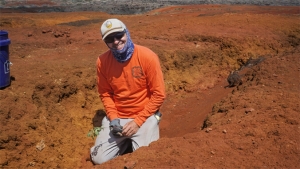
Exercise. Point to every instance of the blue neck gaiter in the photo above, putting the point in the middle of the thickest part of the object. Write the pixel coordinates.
(124, 54)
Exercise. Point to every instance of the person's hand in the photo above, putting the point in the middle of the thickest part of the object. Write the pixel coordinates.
(130, 128)
(115, 127)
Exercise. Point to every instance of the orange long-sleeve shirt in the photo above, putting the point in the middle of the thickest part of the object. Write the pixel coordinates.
(133, 89)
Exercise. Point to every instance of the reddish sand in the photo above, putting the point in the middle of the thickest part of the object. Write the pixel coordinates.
(52, 101)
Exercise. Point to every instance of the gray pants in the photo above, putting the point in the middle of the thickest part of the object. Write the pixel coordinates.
(108, 146)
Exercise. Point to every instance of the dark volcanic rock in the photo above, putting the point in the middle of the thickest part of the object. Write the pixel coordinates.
(120, 6)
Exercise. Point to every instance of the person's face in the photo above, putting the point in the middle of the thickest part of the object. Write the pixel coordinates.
(116, 40)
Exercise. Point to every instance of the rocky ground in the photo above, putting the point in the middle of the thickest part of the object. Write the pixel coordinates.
(52, 101)
(121, 7)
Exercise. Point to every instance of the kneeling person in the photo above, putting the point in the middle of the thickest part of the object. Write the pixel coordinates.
(131, 87)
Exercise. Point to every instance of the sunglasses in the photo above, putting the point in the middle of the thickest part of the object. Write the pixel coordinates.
(111, 38)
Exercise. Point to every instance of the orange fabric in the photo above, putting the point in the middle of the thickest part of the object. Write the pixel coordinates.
(133, 89)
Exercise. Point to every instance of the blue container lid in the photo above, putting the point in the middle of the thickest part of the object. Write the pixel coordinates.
(4, 41)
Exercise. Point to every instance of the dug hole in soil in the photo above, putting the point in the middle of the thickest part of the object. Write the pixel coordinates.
(52, 101)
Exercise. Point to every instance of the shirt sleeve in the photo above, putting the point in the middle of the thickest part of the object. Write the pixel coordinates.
(106, 93)
(156, 87)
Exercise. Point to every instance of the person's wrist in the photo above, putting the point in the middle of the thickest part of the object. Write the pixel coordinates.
(137, 122)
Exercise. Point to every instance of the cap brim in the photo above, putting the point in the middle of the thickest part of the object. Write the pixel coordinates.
(112, 31)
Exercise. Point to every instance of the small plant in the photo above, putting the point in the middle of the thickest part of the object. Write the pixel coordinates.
(94, 132)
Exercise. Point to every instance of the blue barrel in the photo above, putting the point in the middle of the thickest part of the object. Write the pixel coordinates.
(4, 59)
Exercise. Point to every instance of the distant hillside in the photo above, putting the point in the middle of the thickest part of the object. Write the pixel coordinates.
(120, 6)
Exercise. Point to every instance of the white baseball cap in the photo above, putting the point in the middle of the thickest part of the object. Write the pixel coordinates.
(110, 26)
